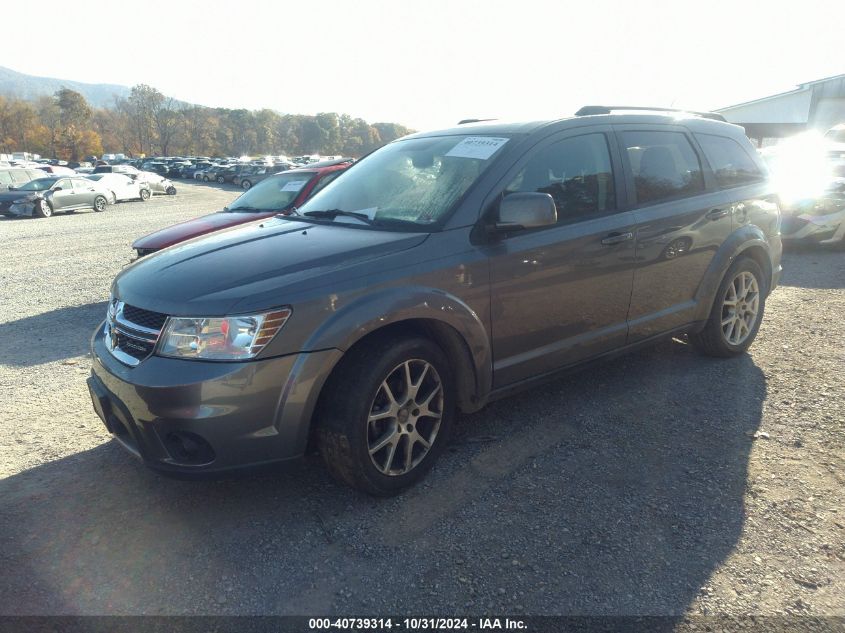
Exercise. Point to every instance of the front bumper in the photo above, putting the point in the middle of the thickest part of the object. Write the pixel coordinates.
(25, 209)
(186, 416)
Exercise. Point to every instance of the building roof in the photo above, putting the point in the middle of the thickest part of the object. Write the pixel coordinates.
(800, 88)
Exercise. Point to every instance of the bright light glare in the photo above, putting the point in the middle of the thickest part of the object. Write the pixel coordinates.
(800, 168)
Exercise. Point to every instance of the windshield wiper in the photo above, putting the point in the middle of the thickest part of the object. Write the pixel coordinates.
(231, 209)
(333, 213)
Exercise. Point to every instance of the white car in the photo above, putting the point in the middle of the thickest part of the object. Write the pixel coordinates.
(157, 183)
(123, 187)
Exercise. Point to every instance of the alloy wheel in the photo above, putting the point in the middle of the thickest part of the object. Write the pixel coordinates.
(405, 417)
(740, 308)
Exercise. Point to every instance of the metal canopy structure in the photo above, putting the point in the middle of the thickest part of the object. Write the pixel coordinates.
(815, 105)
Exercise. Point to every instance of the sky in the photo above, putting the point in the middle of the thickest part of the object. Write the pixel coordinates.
(428, 64)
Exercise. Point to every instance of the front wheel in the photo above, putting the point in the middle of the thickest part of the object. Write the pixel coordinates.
(43, 209)
(205, 179)
(170, 191)
(220, 179)
(245, 184)
(386, 414)
(737, 312)
(145, 195)
(100, 204)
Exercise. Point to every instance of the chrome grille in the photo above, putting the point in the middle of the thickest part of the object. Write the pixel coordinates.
(131, 333)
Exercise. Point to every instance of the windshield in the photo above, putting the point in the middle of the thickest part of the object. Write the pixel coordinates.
(273, 194)
(41, 184)
(413, 181)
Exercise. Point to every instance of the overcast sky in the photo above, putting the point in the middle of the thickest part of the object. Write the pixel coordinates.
(428, 63)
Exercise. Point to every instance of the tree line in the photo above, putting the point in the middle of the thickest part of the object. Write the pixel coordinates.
(147, 123)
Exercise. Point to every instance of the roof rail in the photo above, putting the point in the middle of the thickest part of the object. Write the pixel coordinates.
(463, 121)
(598, 109)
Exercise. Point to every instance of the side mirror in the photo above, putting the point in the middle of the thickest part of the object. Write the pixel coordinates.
(519, 211)
(57, 188)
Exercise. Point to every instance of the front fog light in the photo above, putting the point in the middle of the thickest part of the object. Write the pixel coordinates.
(221, 338)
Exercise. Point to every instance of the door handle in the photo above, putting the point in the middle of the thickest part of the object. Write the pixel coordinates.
(617, 238)
(715, 214)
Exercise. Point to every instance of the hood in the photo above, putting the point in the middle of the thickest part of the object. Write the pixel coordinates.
(9, 196)
(196, 227)
(241, 270)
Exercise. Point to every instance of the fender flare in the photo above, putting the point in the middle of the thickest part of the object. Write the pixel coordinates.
(742, 240)
(391, 306)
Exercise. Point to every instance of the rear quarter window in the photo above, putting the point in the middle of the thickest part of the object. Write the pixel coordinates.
(729, 161)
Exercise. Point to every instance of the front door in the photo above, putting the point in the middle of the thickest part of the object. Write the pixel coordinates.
(63, 196)
(560, 294)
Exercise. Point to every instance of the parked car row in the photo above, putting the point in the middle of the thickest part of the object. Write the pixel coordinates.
(38, 192)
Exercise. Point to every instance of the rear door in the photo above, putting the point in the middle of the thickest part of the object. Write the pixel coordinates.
(85, 192)
(560, 294)
(682, 219)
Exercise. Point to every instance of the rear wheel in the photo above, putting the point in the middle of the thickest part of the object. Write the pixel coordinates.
(145, 195)
(387, 414)
(171, 190)
(205, 179)
(220, 179)
(737, 312)
(245, 184)
(100, 204)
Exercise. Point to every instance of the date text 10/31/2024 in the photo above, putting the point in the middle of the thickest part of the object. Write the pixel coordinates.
(415, 624)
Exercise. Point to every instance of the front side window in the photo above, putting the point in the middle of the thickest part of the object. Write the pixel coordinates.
(664, 165)
(731, 164)
(409, 183)
(576, 172)
(64, 184)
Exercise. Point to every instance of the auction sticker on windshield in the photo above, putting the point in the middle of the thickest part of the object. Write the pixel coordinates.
(481, 147)
(293, 185)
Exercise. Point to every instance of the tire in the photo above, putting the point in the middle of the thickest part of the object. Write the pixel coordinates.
(245, 184)
(43, 209)
(221, 180)
(720, 340)
(100, 204)
(171, 191)
(145, 195)
(346, 432)
(205, 179)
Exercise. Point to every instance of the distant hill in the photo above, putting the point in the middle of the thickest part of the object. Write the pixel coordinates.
(13, 83)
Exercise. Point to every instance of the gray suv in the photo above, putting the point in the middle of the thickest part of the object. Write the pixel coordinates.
(444, 270)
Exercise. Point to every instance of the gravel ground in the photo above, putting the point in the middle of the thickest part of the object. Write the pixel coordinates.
(659, 483)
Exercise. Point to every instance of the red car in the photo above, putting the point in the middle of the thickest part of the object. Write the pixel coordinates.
(277, 194)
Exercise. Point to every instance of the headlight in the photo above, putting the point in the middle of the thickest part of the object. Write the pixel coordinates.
(221, 338)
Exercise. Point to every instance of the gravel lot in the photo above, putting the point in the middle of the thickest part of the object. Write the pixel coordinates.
(659, 483)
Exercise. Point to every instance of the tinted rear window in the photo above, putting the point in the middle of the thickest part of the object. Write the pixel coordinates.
(664, 165)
